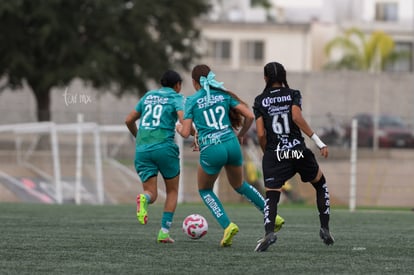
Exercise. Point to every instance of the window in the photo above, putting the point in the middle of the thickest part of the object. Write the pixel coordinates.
(386, 11)
(219, 50)
(252, 52)
(404, 61)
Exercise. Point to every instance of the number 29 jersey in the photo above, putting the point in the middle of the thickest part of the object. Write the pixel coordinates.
(158, 109)
(274, 105)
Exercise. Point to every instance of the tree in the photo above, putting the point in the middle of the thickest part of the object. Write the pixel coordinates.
(261, 3)
(114, 44)
(360, 53)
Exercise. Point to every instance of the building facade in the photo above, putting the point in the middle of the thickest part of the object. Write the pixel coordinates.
(239, 36)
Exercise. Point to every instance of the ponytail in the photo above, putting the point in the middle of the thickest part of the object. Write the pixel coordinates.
(236, 119)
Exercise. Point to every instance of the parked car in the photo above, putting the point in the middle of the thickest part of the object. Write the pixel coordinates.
(392, 131)
(333, 132)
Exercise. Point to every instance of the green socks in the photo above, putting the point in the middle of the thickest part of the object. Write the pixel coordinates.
(252, 195)
(214, 205)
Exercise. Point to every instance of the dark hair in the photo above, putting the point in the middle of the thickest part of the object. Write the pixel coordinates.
(170, 78)
(275, 73)
(236, 118)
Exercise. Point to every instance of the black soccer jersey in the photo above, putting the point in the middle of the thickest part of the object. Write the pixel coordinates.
(275, 106)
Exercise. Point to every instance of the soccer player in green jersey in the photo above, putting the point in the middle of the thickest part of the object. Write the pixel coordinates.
(217, 113)
(157, 112)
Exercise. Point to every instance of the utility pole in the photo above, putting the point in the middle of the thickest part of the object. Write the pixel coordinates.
(412, 62)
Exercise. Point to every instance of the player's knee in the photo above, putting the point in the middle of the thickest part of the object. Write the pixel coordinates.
(320, 182)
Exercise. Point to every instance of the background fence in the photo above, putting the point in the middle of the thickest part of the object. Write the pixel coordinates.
(88, 163)
(384, 176)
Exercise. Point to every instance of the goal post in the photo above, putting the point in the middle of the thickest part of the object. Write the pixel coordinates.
(353, 162)
(54, 130)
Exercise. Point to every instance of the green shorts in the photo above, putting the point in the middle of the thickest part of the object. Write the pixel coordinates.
(166, 160)
(214, 157)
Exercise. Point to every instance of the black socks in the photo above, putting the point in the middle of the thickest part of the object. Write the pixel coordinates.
(322, 201)
(270, 210)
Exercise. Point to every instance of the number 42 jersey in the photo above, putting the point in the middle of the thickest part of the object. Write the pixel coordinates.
(211, 116)
(274, 105)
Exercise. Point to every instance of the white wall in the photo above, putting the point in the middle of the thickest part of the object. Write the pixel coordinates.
(405, 10)
(287, 43)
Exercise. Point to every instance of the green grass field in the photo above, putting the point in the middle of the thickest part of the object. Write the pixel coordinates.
(69, 239)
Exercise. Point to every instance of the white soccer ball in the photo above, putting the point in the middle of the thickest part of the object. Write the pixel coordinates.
(195, 226)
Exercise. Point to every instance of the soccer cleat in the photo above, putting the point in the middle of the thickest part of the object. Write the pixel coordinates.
(229, 233)
(164, 237)
(279, 223)
(142, 204)
(326, 236)
(263, 244)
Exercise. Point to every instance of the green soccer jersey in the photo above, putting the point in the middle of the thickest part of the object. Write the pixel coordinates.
(211, 117)
(158, 109)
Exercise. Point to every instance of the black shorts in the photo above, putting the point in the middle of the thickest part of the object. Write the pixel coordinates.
(279, 167)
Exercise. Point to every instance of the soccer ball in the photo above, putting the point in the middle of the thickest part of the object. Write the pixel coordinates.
(195, 226)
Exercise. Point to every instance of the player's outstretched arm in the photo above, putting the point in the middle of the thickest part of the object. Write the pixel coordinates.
(248, 120)
(130, 120)
(304, 127)
(261, 133)
(185, 128)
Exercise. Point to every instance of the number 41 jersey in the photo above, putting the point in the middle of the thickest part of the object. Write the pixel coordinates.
(158, 109)
(274, 105)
